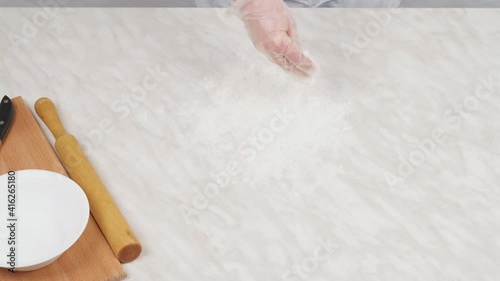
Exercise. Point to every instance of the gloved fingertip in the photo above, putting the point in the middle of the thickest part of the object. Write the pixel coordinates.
(299, 65)
(308, 65)
(305, 73)
(303, 63)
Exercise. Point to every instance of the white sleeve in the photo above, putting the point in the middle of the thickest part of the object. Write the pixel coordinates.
(363, 3)
(212, 3)
(313, 3)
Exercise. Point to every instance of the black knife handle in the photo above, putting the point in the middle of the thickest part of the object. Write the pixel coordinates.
(6, 115)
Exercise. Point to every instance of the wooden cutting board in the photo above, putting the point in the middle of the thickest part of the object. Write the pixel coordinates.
(90, 258)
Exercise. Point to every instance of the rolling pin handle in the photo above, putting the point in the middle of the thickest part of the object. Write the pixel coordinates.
(46, 110)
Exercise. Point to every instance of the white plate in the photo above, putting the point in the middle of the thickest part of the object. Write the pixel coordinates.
(52, 212)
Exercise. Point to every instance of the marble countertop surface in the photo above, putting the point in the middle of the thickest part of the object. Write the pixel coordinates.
(385, 166)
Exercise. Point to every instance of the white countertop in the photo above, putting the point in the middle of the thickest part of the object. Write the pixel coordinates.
(313, 191)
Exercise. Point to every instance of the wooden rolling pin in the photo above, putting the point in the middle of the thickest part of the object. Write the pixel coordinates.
(113, 225)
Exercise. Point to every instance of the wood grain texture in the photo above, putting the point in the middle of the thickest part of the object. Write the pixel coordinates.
(90, 258)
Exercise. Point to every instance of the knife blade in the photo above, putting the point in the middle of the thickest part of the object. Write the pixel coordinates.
(6, 115)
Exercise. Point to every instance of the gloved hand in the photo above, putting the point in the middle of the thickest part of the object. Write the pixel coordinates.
(273, 32)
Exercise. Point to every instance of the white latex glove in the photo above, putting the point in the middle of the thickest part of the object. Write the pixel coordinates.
(273, 32)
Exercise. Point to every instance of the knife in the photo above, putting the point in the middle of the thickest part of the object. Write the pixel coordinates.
(6, 115)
